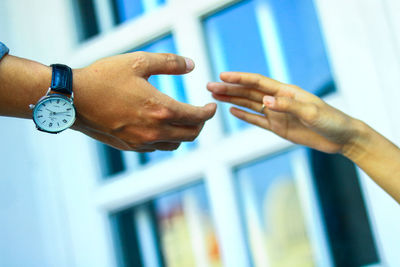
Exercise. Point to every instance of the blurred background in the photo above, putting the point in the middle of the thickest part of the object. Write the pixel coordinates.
(238, 195)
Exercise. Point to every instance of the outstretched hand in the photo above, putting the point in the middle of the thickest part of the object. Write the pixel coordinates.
(290, 112)
(117, 105)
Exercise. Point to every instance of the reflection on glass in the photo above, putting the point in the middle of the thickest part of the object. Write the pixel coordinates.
(274, 219)
(173, 230)
(280, 39)
(128, 9)
(187, 234)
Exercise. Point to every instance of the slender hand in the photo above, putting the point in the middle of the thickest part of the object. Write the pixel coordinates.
(114, 101)
(290, 112)
(304, 118)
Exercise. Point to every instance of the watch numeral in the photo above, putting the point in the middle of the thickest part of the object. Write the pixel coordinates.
(65, 103)
(58, 101)
(58, 124)
(65, 121)
(40, 116)
(44, 121)
(50, 124)
(69, 108)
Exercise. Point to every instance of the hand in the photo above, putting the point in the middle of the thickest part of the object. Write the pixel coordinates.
(116, 104)
(290, 112)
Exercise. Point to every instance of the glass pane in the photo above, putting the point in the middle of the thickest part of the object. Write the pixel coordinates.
(173, 230)
(171, 85)
(280, 39)
(186, 228)
(274, 217)
(346, 219)
(302, 42)
(129, 9)
(111, 160)
(86, 19)
(281, 222)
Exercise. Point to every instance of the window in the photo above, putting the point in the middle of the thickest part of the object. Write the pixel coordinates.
(281, 221)
(262, 197)
(86, 19)
(94, 17)
(345, 215)
(128, 9)
(280, 39)
(275, 213)
(174, 229)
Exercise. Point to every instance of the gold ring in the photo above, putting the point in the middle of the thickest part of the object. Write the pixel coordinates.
(262, 109)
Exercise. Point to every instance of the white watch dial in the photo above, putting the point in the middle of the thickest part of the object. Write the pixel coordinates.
(54, 113)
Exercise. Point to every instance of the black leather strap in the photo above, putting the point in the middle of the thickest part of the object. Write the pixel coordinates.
(61, 80)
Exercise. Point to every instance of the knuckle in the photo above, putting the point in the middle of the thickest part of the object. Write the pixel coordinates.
(140, 61)
(163, 114)
(151, 136)
(282, 103)
(311, 113)
(171, 62)
(194, 135)
(258, 79)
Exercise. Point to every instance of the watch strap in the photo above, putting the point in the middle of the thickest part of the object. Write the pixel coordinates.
(61, 79)
(3, 50)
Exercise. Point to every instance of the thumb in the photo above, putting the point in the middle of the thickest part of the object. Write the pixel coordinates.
(162, 63)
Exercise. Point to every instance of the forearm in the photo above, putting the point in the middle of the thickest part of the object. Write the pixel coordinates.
(22, 82)
(378, 157)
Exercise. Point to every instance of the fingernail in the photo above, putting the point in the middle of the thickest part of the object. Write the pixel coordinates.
(189, 64)
(269, 100)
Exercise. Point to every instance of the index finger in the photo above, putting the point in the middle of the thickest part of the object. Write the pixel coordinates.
(253, 80)
(185, 114)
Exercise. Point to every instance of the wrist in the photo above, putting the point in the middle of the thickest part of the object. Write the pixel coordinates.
(29, 80)
(357, 146)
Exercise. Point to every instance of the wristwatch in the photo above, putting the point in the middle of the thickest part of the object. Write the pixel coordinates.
(55, 112)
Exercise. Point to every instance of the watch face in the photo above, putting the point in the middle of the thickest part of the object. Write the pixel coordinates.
(54, 113)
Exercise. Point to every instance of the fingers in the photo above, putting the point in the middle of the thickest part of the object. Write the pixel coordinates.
(147, 64)
(240, 101)
(185, 114)
(235, 90)
(308, 112)
(252, 118)
(253, 80)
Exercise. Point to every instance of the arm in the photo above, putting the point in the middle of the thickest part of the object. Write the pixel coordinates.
(305, 119)
(115, 104)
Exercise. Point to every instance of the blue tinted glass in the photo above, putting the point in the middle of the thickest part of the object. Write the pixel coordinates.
(302, 42)
(128, 9)
(277, 38)
(235, 45)
(171, 85)
(274, 219)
